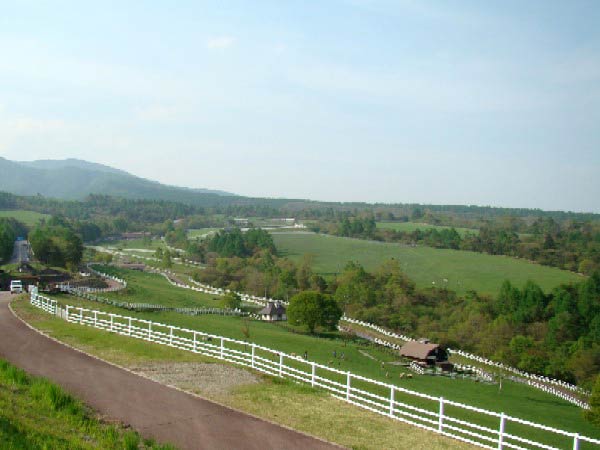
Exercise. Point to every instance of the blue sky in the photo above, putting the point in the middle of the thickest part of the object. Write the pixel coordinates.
(351, 100)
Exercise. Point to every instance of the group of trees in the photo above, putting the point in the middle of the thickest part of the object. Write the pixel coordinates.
(233, 242)
(10, 229)
(56, 243)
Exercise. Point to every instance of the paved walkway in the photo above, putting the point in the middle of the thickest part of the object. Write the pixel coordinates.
(152, 409)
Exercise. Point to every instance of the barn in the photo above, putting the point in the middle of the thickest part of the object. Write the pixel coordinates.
(273, 312)
(425, 353)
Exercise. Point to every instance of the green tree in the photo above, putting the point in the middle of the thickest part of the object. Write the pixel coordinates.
(593, 414)
(314, 309)
(232, 300)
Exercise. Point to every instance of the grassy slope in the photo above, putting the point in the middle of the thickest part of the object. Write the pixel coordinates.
(413, 226)
(295, 406)
(152, 288)
(539, 407)
(463, 270)
(29, 218)
(37, 414)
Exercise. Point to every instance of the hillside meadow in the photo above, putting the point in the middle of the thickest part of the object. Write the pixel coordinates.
(457, 270)
(29, 218)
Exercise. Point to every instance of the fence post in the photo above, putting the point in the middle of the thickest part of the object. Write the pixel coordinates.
(170, 335)
(501, 432)
(95, 319)
(194, 342)
(313, 373)
(392, 401)
(68, 312)
(149, 331)
(576, 441)
(348, 385)
(441, 415)
(129, 330)
(80, 315)
(222, 348)
(281, 364)
(111, 321)
(253, 350)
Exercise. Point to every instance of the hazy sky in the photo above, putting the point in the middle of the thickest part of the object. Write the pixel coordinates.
(493, 103)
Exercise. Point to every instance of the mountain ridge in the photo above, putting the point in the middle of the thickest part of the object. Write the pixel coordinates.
(74, 179)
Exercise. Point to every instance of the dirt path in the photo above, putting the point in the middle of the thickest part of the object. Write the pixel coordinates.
(152, 409)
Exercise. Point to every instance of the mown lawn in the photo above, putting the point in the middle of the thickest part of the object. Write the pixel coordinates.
(427, 266)
(298, 407)
(37, 414)
(29, 218)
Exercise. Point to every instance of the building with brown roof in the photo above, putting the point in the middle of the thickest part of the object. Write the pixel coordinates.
(424, 353)
(273, 312)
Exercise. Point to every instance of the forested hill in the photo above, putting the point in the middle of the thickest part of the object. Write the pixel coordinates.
(75, 179)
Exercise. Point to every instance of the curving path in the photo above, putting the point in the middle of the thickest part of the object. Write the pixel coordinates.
(154, 410)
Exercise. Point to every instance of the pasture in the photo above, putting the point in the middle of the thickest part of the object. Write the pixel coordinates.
(298, 407)
(153, 288)
(365, 359)
(29, 218)
(409, 227)
(427, 266)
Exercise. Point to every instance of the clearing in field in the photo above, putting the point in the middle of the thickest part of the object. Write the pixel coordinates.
(29, 218)
(457, 270)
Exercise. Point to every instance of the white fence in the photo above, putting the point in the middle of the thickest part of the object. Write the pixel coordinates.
(477, 426)
(537, 381)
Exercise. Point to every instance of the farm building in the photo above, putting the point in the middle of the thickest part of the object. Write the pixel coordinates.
(273, 312)
(426, 354)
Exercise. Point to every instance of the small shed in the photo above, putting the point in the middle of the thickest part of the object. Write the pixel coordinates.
(424, 353)
(273, 312)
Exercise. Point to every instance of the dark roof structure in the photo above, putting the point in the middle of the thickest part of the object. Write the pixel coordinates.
(418, 350)
(272, 309)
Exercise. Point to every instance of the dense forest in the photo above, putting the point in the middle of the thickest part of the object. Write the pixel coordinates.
(56, 243)
(10, 229)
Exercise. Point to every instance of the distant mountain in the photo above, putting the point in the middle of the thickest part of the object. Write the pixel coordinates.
(53, 164)
(74, 179)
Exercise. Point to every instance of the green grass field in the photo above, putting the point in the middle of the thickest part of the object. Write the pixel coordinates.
(413, 226)
(201, 233)
(37, 414)
(29, 218)
(298, 407)
(425, 265)
(152, 288)
(365, 359)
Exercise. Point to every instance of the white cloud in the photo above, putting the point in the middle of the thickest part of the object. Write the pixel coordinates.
(220, 42)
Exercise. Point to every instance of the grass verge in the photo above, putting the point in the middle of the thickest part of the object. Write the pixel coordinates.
(38, 414)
